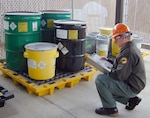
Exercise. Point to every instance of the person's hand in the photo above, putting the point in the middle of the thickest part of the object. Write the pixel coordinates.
(104, 58)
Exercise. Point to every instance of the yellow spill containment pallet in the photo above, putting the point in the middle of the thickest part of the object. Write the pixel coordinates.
(145, 54)
(60, 81)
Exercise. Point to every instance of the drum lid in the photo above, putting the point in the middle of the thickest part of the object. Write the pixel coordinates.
(40, 46)
(70, 22)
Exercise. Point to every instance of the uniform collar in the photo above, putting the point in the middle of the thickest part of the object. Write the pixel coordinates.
(128, 44)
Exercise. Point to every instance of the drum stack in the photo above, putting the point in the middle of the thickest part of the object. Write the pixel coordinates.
(33, 41)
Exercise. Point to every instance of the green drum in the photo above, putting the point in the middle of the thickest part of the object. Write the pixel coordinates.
(21, 28)
(47, 23)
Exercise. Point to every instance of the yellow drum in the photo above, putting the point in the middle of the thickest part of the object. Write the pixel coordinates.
(41, 60)
(114, 48)
(105, 30)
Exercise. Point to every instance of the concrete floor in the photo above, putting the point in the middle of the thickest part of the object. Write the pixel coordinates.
(77, 102)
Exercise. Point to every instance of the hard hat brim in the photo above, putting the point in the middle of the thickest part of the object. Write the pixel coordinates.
(113, 36)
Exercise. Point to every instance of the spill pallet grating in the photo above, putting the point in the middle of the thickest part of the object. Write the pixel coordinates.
(5, 95)
(60, 81)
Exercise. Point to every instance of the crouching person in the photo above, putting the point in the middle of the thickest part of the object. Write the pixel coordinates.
(127, 77)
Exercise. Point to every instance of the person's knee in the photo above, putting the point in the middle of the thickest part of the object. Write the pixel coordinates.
(99, 79)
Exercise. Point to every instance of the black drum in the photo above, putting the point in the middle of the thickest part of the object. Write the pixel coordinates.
(70, 29)
(70, 37)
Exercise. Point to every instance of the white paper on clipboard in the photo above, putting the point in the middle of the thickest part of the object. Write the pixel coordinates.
(103, 65)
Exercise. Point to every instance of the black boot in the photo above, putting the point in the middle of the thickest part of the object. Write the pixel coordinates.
(107, 111)
(132, 103)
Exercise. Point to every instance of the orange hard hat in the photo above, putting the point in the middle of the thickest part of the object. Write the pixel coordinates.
(119, 29)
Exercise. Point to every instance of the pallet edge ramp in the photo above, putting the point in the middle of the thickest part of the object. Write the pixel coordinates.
(5, 95)
(48, 89)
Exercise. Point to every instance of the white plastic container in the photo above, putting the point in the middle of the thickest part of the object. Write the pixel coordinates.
(102, 45)
(137, 40)
(90, 45)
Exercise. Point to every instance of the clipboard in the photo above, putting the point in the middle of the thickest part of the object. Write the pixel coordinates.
(103, 65)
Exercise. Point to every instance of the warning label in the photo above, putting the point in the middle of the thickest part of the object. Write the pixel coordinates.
(22, 27)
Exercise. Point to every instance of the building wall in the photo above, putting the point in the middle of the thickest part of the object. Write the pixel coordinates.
(138, 15)
(96, 13)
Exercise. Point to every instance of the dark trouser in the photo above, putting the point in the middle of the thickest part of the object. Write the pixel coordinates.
(111, 90)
